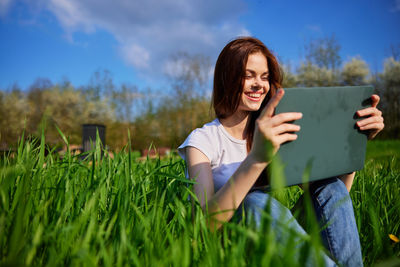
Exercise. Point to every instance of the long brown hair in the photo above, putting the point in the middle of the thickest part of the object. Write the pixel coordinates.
(229, 75)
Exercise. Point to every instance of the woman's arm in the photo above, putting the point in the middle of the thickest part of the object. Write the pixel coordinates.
(348, 179)
(270, 132)
(222, 204)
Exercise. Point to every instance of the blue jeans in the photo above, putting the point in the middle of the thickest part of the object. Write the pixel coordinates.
(333, 209)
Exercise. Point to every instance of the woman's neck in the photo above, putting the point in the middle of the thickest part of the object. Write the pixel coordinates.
(236, 124)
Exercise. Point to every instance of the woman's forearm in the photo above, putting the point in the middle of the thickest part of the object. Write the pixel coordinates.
(348, 179)
(224, 203)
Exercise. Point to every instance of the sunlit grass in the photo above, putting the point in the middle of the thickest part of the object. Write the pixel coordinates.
(122, 211)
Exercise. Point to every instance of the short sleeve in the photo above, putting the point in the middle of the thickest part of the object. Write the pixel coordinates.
(201, 140)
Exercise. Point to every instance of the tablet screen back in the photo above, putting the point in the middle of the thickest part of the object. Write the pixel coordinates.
(328, 143)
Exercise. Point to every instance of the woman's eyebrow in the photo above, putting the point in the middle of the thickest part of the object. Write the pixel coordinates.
(252, 71)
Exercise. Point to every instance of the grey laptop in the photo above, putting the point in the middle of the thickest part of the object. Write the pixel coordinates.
(328, 144)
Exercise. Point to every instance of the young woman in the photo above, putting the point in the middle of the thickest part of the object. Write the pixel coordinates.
(227, 155)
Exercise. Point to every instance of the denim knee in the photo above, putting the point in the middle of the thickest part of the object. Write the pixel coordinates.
(281, 219)
(334, 210)
(255, 204)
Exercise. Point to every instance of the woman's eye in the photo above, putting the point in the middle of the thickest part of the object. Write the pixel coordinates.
(265, 78)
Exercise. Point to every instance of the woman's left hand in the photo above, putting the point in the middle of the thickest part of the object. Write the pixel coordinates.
(374, 123)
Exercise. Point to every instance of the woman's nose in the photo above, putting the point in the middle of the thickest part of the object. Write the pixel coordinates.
(257, 82)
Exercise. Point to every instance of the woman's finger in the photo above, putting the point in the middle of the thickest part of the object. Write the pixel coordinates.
(286, 128)
(272, 103)
(369, 111)
(280, 139)
(375, 100)
(377, 126)
(373, 119)
(285, 117)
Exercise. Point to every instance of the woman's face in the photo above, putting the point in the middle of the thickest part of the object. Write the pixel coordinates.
(256, 83)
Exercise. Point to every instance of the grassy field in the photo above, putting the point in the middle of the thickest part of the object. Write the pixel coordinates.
(122, 211)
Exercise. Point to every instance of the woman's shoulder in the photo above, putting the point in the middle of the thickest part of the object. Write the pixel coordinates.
(208, 129)
(208, 132)
(205, 139)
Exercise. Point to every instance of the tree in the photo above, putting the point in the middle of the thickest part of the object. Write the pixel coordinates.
(324, 53)
(189, 75)
(395, 52)
(289, 78)
(310, 75)
(188, 107)
(355, 72)
(37, 103)
(321, 64)
(13, 115)
(100, 86)
(124, 102)
(390, 94)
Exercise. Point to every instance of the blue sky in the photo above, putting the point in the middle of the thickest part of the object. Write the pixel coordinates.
(134, 40)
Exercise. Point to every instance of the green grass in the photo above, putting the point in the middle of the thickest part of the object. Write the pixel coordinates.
(122, 211)
(380, 151)
(376, 200)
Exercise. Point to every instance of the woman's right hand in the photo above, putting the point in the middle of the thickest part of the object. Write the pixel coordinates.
(273, 130)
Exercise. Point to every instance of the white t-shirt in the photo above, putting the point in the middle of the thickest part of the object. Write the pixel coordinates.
(224, 151)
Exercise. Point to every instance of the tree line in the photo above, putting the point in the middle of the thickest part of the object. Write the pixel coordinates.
(164, 118)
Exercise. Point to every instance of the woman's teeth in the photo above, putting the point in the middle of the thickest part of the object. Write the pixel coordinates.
(254, 95)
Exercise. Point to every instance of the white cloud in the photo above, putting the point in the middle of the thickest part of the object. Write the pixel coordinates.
(148, 32)
(4, 6)
(397, 6)
(314, 28)
(135, 55)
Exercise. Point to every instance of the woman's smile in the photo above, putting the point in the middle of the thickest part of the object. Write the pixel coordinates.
(254, 96)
